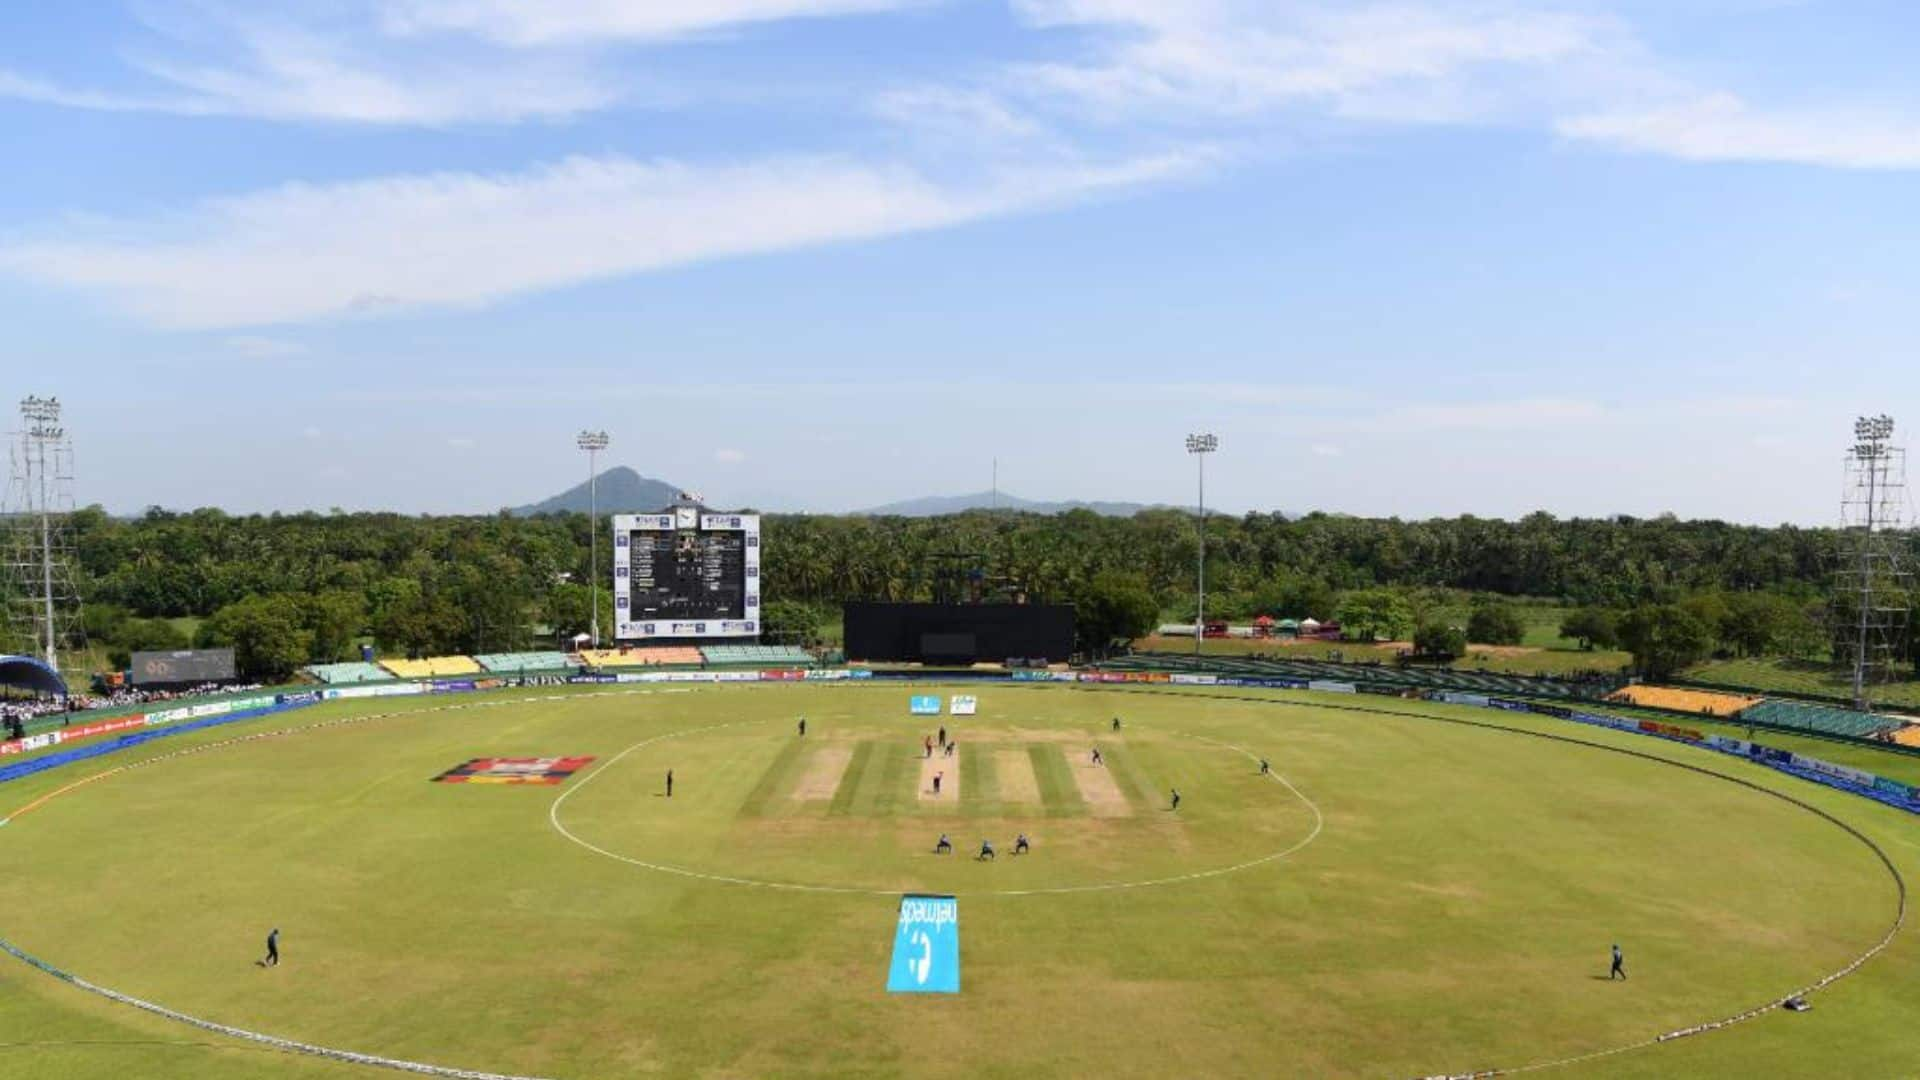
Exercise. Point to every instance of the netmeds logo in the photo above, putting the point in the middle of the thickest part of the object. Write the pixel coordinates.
(943, 912)
(926, 946)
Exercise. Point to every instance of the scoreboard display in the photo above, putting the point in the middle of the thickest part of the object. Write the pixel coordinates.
(686, 573)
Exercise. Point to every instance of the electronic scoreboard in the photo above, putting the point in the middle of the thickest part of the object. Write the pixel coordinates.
(686, 573)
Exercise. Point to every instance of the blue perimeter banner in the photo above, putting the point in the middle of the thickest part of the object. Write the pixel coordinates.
(924, 704)
(926, 946)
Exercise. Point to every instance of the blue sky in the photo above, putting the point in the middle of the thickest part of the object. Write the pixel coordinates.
(1418, 257)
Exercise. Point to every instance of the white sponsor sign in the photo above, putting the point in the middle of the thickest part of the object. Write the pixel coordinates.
(1195, 680)
(964, 705)
(384, 690)
(1838, 772)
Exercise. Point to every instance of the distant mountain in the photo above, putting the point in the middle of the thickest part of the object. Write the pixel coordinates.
(935, 505)
(621, 491)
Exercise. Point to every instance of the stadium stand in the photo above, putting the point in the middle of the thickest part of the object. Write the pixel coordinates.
(432, 667)
(1369, 675)
(522, 662)
(650, 656)
(341, 674)
(1697, 702)
(786, 655)
(1908, 736)
(1821, 718)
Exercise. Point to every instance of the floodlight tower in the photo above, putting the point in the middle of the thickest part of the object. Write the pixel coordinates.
(1200, 446)
(40, 590)
(593, 442)
(1872, 581)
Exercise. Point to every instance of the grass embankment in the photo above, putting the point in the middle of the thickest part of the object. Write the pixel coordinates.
(1803, 677)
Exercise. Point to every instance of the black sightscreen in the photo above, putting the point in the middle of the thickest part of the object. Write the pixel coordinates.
(959, 633)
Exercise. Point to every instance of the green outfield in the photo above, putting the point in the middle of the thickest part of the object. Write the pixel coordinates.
(1418, 889)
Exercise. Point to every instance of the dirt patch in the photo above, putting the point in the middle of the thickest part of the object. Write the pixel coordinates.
(1015, 772)
(1099, 789)
(948, 770)
(1501, 652)
(824, 770)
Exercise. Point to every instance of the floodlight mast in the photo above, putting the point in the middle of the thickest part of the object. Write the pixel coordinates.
(1873, 460)
(39, 577)
(1200, 446)
(593, 442)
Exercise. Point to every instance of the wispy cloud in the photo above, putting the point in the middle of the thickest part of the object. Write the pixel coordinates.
(1219, 59)
(302, 252)
(729, 456)
(548, 22)
(1277, 67)
(1722, 127)
(229, 61)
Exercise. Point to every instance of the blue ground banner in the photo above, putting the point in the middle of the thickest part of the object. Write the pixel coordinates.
(924, 704)
(926, 946)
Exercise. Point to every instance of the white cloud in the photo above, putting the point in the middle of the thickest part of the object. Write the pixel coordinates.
(1325, 450)
(729, 456)
(235, 62)
(24, 88)
(971, 113)
(303, 251)
(1722, 127)
(460, 442)
(1215, 58)
(263, 348)
(547, 22)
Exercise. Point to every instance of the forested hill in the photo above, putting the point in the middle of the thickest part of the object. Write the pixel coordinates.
(167, 564)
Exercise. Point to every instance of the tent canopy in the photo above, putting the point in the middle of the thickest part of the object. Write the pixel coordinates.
(27, 673)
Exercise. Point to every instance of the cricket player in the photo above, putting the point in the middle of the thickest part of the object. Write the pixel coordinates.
(273, 949)
(1619, 970)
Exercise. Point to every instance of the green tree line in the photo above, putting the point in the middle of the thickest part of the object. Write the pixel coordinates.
(315, 583)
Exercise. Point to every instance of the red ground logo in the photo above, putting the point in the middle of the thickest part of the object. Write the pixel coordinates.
(519, 770)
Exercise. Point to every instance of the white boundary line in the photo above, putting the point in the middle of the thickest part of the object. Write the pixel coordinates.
(553, 817)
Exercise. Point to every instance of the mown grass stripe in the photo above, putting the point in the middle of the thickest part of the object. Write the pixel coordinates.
(848, 793)
(777, 779)
(1058, 793)
(980, 783)
(897, 779)
(1132, 777)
